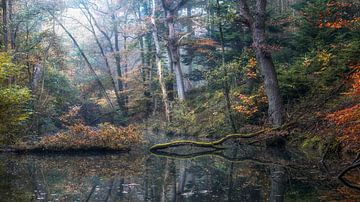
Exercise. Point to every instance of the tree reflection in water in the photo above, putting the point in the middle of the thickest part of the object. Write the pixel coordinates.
(244, 173)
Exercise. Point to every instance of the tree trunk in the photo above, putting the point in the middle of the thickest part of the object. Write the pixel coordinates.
(268, 71)
(226, 86)
(108, 68)
(158, 63)
(102, 87)
(118, 62)
(256, 24)
(170, 80)
(119, 89)
(271, 87)
(189, 49)
(145, 68)
(5, 24)
(278, 183)
(174, 50)
(11, 31)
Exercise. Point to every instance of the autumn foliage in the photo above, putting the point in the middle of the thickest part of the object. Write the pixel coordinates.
(348, 120)
(80, 136)
(337, 16)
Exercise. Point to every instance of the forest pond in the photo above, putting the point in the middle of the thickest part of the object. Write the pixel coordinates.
(243, 173)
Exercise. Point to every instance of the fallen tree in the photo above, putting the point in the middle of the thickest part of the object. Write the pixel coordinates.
(216, 144)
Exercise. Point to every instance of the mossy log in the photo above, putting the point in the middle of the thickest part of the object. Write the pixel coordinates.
(213, 144)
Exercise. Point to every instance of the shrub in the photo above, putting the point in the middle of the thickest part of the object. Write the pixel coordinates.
(80, 136)
(13, 99)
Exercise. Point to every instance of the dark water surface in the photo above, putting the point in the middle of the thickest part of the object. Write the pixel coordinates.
(243, 173)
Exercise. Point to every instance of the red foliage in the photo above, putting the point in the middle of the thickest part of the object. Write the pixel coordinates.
(348, 120)
(206, 42)
(337, 16)
(355, 78)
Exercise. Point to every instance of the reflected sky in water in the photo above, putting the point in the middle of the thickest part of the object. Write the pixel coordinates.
(244, 173)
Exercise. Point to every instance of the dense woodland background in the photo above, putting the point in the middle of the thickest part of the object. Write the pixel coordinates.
(195, 67)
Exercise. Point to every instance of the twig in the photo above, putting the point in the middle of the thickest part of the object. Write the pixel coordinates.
(91, 192)
(355, 164)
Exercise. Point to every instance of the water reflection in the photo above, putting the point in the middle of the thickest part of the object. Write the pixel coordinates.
(240, 174)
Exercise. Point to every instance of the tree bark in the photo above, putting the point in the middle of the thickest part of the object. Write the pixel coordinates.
(5, 24)
(118, 60)
(174, 46)
(145, 53)
(226, 86)
(267, 66)
(190, 31)
(158, 62)
(257, 23)
(11, 31)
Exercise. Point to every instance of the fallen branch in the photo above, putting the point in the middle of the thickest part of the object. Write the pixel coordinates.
(213, 144)
(355, 164)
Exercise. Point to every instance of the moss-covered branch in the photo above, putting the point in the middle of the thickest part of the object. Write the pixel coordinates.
(213, 144)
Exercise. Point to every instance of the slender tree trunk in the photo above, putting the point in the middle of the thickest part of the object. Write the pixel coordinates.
(144, 74)
(118, 61)
(119, 89)
(174, 51)
(190, 30)
(143, 60)
(158, 62)
(11, 31)
(125, 65)
(5, 24)
(87, 62)
(170, 81)
(108, 68)
(226, 86)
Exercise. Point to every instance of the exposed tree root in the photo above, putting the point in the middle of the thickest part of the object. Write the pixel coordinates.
(213, 144)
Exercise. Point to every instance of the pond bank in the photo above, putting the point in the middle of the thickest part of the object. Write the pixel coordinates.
(73, 151)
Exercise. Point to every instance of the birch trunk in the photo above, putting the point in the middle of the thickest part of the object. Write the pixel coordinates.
(174, 46)
(158, 62)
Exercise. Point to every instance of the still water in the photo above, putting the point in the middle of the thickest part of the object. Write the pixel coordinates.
(242, 173)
